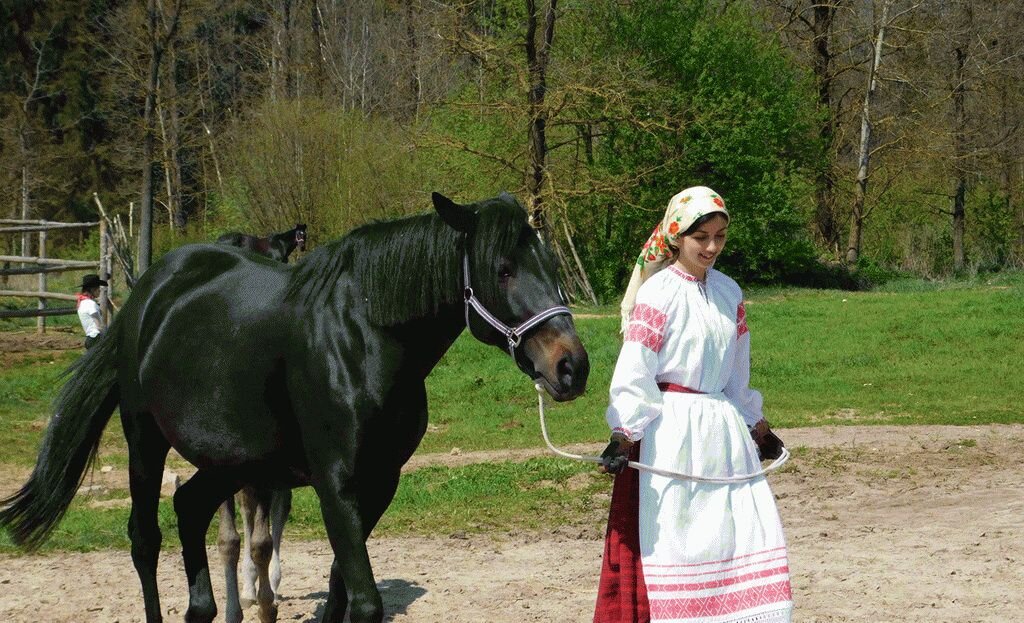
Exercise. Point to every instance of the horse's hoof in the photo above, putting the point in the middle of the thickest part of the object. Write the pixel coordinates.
(268, 614)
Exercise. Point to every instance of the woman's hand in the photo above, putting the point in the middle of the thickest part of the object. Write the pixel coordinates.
(616, 456)
(769, 446)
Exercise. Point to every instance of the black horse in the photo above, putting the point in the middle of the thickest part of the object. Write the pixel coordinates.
(275, 246)
(264, 513)
(264, 373)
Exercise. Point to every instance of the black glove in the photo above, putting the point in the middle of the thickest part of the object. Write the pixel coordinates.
(769, 446)
(616, 455)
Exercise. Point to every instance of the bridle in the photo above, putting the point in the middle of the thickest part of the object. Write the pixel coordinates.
(514, 335)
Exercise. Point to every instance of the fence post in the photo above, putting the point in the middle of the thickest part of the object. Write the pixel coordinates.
(41, 319)
(104, 274)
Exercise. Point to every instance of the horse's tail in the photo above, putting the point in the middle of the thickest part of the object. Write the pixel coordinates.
(81, 412)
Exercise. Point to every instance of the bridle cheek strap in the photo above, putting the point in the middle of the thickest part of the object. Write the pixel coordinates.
(514, 335)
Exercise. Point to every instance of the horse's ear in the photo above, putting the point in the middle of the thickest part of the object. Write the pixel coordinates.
(459, 217)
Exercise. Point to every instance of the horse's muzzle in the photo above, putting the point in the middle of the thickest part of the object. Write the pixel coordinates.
(559, 361)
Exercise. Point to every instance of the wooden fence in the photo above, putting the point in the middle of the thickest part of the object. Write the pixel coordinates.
(42, 265)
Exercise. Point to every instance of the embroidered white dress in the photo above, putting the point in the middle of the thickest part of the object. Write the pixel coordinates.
(710, 552)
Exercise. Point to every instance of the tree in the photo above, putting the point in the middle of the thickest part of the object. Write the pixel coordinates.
(859, 212)
(161, 31)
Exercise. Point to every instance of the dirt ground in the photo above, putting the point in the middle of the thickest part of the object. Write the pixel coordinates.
(13, 343)
(901, 524)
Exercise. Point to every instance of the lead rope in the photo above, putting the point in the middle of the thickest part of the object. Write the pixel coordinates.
(776, 464)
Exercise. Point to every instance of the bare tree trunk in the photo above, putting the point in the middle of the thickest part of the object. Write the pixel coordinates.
(25, 251)
(158, 42)
(415, 83)
(537, 61)
(959, 156)
(320, 56)
(282, 85)
(864, 153)
(146, 201)
(825, 216)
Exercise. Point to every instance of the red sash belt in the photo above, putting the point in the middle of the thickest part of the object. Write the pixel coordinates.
(672, 387)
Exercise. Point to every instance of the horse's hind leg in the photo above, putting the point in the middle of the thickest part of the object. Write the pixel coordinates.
(229, 544)
(194, 503)
(280, 507)
(147, 451)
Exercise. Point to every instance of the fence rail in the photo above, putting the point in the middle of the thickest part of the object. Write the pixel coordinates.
(42, 265)
(32, 294)
(49, 261)
(45, 226)
(30, 313)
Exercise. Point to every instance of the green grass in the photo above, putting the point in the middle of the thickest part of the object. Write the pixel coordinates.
(501, 497)
(914, 352)
(918, 353)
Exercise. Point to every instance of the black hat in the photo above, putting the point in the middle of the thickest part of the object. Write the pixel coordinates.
(91, 281)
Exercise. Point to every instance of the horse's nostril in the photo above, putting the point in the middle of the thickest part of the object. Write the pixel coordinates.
(565, 368)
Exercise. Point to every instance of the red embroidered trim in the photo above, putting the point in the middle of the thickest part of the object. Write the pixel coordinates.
(738, 579)
(718, 562)
(624, 431)
(647, 327)
(682, 273)
(716, 605)
(741, 321)
(717, 571)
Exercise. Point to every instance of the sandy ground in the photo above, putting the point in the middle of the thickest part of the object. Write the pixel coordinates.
(901, 524)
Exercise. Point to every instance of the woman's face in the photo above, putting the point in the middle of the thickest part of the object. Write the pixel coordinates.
(699, 250)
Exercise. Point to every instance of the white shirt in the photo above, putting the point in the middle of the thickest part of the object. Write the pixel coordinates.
(89, 315)
(685, 333)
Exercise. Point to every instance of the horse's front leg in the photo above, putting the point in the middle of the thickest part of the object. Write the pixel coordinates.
(352, 582)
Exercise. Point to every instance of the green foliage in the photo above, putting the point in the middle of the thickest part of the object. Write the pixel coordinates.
(305, 161)
(732, 114)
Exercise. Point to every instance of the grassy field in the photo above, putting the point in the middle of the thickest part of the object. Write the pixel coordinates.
(911, 353)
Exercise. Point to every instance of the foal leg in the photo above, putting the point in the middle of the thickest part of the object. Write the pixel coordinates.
(147, 451)
(261, 547)
(262, 551)
(247, 504)
(280, 507)
(194, 503)
(229, 544)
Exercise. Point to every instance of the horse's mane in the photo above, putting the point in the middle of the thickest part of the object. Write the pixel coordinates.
(410, 267)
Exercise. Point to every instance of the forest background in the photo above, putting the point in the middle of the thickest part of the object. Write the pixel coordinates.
(851, 139)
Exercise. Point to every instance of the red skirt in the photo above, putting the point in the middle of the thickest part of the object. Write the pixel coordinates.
(622, 592)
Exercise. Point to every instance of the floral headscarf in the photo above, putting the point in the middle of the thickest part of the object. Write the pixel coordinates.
(659, 250)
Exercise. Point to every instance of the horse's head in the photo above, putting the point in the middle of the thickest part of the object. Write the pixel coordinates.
(512, 277)
(300, 236)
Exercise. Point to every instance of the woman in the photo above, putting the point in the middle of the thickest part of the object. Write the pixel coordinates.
(680, 400)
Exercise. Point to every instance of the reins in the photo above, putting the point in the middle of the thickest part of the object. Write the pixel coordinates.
(776, 464)
(514, 335)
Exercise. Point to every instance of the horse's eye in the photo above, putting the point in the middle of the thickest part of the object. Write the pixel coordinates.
(505, 272)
